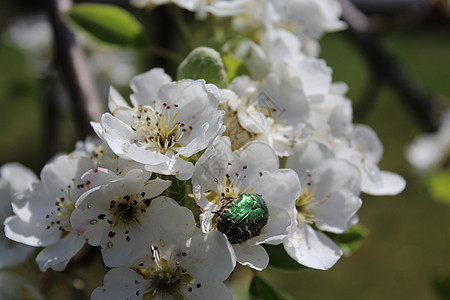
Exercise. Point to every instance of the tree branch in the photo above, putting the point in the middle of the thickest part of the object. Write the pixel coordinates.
(384, 66)
(69, 58)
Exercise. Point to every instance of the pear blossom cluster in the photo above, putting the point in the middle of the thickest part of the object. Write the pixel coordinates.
(281, 137)
(307, 19)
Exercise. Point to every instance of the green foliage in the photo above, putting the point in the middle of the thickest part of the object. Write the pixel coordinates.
(109, 23)
(179, 190)
(234, 66)
(260, 290)
(350, 240)
(439, 187)
(204, 63)
(441, 284)
(279, 259)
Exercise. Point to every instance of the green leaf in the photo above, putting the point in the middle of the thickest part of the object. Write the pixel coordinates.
(108, 23)
(260, 290)
(279, 259)
(204, 63)
(234, 66)
(350, 240)
(441, 284)
(439, 187)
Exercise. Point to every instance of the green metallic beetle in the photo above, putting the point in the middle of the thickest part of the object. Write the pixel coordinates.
(243, 218)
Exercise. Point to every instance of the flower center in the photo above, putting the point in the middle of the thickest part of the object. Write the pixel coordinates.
(304, 205)
(238, 135)
(59, 217)
(159, 131)
(126, 209)
(229, 187)
(96, 154)
(166, 277)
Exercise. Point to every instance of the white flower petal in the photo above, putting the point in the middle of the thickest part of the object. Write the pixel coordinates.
(209, 290)
(315, 76)
(18, 176)
(58, 255)
(335, 213)
(426, 153)
(161, 202)
(312, 248)
(276, 229)
(307, 155)
(115, 99)
(97, 177)
(116, 250)
(153, 158)
(227, 8)
(64, 171)
(366, 141)
(280, 188)
(26, 233)
(174, 223)
(119, 283)
(254, 257)
(334, 175)
(212, 164)
(146, 86)
(86, 226)
(155, 187)
(390, 184)
(210, 251)
(184, 169)
(116, 133)
(34, 204)
(248, 162)
(253, 121)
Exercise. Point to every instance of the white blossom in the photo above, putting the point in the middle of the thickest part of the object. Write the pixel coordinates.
(42, 212)
(308, 18)
(221, 175)
(431, 151)
(114, 213)
(364, 149)
(168, 122)
(221, 8)
(15, 178)
(102, 156)
(328, 201)
(179, 263)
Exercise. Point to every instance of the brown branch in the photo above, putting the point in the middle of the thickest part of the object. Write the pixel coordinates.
(69, 58)
(385, 67)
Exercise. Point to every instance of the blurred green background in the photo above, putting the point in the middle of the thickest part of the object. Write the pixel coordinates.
(409, 234)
